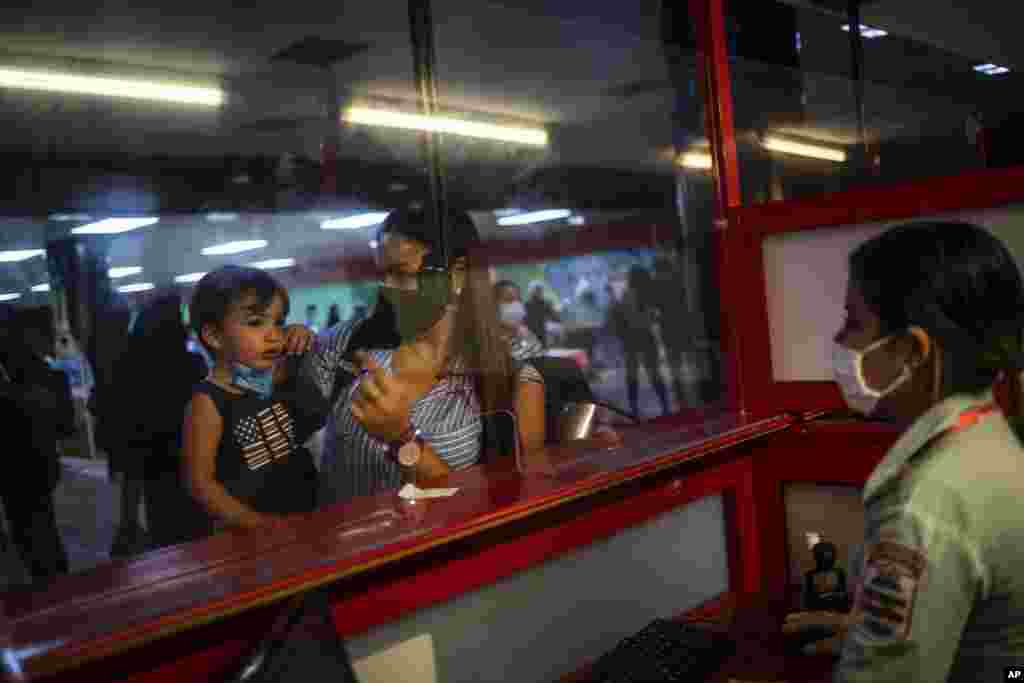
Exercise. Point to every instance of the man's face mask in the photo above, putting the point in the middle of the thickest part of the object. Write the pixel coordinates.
(419, 309)
(512, 312)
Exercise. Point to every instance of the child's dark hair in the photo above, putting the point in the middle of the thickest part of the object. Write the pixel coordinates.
(227, 285)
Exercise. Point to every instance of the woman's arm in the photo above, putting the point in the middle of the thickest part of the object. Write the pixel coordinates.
(202, 434)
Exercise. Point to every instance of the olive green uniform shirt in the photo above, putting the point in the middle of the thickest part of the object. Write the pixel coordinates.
(942, 584)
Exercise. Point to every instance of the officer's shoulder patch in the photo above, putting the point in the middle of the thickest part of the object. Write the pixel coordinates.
(884, 607)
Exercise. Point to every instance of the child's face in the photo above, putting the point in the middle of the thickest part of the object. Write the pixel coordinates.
(251, 334)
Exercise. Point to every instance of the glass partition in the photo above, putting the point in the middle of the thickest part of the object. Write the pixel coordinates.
(921, 93)
(602, 232)
(145, 150)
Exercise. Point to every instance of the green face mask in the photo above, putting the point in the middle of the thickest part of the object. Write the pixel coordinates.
(417, 310)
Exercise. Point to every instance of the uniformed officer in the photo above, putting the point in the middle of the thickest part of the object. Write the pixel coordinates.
(934, 317)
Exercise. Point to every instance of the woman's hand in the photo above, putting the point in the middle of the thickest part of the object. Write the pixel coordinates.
(297, 339)
(383, 401)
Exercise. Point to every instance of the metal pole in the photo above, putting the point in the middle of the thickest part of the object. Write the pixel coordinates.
(421, 28)
(857, 74)
(331, 141)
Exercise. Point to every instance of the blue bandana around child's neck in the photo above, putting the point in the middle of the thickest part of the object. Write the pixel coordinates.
(259, 381)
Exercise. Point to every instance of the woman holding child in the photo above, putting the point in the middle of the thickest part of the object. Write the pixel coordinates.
(415, 377)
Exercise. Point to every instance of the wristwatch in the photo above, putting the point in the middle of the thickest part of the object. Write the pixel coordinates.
(408, 449)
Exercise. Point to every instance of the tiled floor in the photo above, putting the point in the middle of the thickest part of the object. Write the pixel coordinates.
(88, 507)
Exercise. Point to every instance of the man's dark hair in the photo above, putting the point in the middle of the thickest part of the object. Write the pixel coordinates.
(415, 223)
(220, 289)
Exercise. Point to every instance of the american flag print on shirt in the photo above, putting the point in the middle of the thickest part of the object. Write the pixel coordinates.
(266, 436)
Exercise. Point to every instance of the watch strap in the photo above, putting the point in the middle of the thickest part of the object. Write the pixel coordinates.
(412, 433)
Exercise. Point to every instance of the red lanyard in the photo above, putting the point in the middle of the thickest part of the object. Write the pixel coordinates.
(967, 418)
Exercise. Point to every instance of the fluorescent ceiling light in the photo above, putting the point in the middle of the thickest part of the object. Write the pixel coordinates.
(136, 287)
(124, 271)
(577, 220)
(374, 244)
(360, 220)
(700, 161)
(535, 217)
(189, 277)
(114, 226)
(10, 296)
(991, 69)
(867, 31)
(221, 217)
(439, 124)
(233, 247)
(20, 255)
(44, 287)
(65, 217)
(129, 88)
(803, 149)
(274, 263)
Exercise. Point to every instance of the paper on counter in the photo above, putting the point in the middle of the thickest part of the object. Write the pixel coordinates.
(413, 492)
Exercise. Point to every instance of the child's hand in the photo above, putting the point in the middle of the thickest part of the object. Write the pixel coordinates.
(297, 339)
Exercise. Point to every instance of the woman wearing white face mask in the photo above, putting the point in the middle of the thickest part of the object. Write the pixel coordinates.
(934, 318)
(523, 343)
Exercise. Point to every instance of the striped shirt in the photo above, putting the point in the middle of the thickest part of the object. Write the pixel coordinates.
(357, 464)
(524, 345)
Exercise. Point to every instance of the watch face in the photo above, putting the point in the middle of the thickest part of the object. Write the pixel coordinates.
(409, 454)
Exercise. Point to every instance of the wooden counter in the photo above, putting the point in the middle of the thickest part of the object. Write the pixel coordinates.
(191, 610)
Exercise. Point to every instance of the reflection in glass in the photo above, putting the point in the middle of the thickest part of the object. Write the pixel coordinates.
(819, 108)
(577, 162)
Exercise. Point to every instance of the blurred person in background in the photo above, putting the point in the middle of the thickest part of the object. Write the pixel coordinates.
(633, 318)
(512, 319)
(141, 421)
(333, 316)
(358, 313)
(539, 313)
(311, 317)
(36, 400)
(676, 333)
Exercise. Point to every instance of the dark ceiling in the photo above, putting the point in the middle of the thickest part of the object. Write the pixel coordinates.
(594, 74)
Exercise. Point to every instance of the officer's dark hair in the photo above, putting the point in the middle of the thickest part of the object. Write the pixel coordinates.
(227, 286)
(957, 282)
